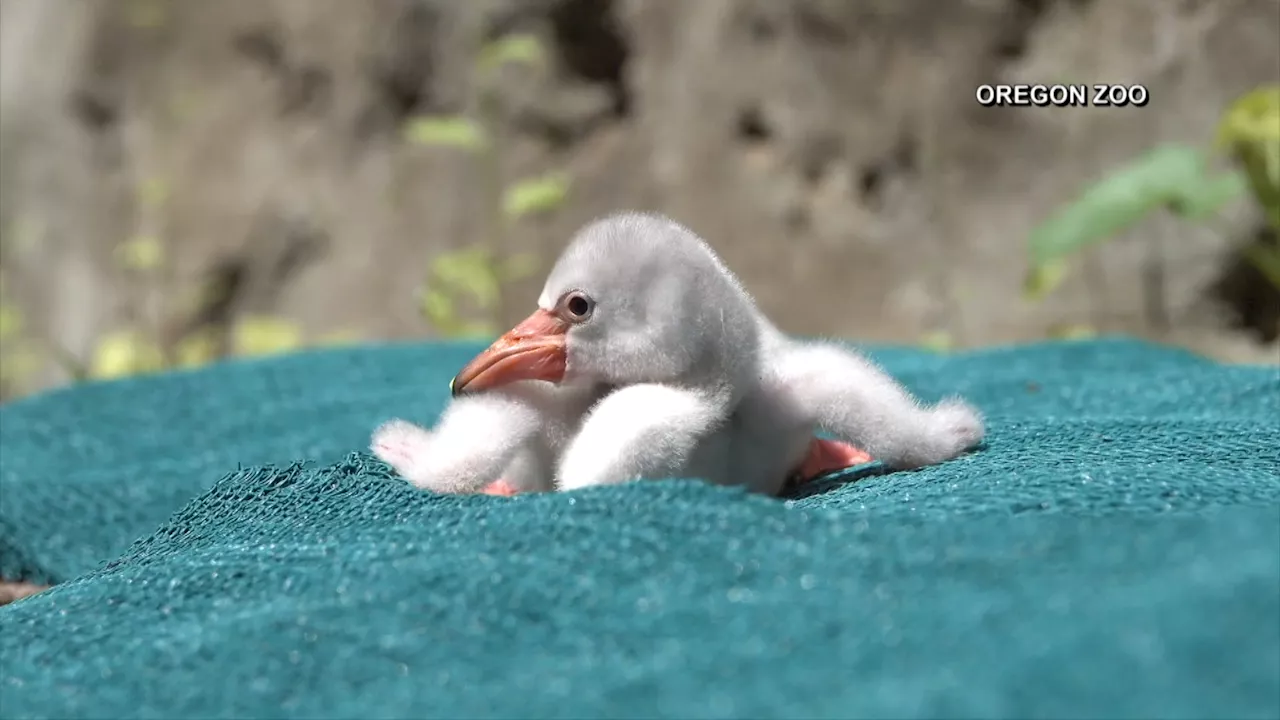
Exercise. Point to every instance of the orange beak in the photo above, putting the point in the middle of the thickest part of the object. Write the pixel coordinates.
(532, 350)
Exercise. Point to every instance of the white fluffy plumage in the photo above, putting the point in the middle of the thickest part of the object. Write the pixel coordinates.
(676, 373)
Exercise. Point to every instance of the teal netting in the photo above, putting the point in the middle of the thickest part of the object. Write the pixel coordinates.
(1114, 551)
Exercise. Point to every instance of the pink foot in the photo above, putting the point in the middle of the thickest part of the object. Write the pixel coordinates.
(501, 488)
(401, 445)
(828, 456)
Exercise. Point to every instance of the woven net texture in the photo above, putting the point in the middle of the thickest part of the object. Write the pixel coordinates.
(225, 547)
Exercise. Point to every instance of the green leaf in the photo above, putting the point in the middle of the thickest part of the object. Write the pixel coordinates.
(20, 364)
(1118, 201)
(338, 338)
(454, 132)
(140, 254)
(1250, 130)
(535, 195)
(1254, 118)
(1043, 279)
(196, 349)
(437, 308)
(1206, 199)
(124, 353)
(938, 341)
(10, 321)
(1072, 331)
(1270, 152)
(264, 335)
(1261, 163)
(476, 330)
(471, 271)
(518, 266)
(519, 49)
(459, 267)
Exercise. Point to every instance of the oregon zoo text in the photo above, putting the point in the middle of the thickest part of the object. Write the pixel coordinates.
(1062, 95)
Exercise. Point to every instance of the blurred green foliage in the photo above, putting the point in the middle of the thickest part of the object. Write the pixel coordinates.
(471, 278)
(535, 195)
(16, 359)
(511, 49)
(141, 254)
(455, 132)
(135, 348)
(1174, 179)
(937, 341)
(132, 351)
(140, 348)
(459, 283)
(470, 274)
(1251, 134)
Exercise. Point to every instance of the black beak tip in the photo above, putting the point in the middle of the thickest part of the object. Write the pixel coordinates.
(456, 390)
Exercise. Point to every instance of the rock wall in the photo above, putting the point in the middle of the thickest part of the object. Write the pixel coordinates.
(832, 150)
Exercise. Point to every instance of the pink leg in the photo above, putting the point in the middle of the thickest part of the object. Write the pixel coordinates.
(828, 456)
(501, 488)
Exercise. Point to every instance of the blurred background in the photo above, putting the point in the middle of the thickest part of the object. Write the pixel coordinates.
(182, 180)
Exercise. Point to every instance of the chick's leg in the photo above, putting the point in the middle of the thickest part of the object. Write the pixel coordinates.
(828, 456)
(852, 398)
(475, 441)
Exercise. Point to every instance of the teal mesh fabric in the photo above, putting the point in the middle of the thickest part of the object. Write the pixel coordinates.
(1114, 551)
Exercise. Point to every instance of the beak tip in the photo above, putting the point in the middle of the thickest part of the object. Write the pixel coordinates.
(453, 387)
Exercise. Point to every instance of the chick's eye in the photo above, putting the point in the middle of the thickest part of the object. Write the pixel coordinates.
(578, 306)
